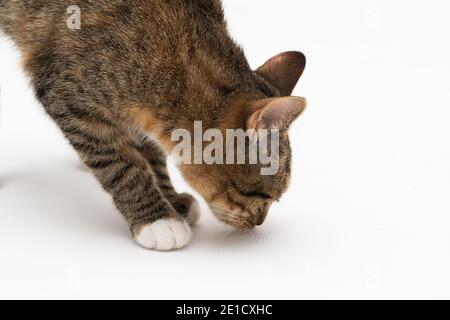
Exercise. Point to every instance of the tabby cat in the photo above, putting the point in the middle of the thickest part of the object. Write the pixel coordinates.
(134, 71)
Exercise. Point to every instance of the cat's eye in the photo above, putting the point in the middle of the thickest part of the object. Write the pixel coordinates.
(255, 194)
(258, 194)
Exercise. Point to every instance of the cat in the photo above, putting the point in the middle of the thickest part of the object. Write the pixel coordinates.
(134, 71)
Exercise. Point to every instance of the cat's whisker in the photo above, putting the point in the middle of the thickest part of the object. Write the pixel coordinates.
(233, 219)
(221, 195)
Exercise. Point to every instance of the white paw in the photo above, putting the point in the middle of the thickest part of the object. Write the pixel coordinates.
(193, 215)
(164, 235)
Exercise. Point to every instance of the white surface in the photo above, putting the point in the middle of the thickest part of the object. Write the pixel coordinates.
(368, 214)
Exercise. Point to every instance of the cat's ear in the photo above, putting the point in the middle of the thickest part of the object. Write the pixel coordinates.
(284, 70)
(276, 113)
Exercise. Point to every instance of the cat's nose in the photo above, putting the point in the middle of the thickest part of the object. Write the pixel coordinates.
(262, 216)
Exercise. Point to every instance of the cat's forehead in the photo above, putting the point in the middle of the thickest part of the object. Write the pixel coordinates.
(253, 180)
(265, 87)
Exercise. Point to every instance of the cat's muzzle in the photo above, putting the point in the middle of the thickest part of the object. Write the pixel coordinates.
(241, 220)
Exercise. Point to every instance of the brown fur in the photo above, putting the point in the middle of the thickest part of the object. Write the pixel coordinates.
(151, 66)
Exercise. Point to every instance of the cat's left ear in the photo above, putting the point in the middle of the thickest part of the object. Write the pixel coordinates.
(284, 70)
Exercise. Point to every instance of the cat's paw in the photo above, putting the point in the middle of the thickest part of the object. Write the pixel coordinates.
(187, 207)
(164, 235)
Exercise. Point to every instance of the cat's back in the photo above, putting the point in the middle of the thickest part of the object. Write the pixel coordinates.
(155, 16)
(156, 47)
(147, 29)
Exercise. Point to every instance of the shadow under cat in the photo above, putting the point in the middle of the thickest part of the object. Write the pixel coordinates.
(66, 197)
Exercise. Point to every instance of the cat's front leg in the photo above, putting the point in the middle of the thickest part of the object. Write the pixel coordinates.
(127, 176)
(185, 204)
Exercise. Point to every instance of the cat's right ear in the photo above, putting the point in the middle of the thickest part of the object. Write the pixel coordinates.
(284, 70)
(275, 113)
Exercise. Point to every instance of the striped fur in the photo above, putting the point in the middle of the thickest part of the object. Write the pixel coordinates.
(146, 67)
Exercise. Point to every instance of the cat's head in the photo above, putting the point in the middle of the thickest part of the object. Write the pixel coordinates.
(240, 194)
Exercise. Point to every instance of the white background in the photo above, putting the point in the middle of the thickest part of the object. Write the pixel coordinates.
(368, 212)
